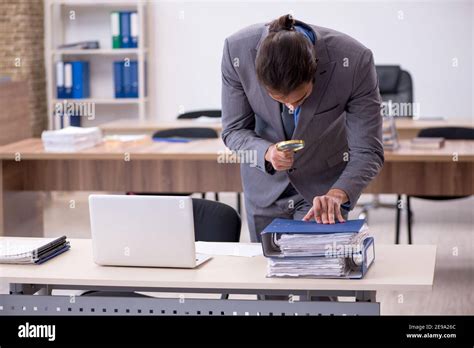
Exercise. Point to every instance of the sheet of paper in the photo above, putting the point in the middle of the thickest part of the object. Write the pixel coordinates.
(229, 249)
(125, 138)
(207, 119)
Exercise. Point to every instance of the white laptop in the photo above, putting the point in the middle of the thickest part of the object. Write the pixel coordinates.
(146, 231)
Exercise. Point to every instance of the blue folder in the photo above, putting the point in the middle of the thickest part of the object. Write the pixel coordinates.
(126, 80)
(70, 120)
(134, 79)
(68, 89)
(280, 226)
(134, 30)
(53, 254)
(125, 30)
(118, 79)
(172, 140)
(130, 79)
(299, 226)
(80, 79)
(61, 91)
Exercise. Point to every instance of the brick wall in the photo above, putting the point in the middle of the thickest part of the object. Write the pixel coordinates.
(22, 53)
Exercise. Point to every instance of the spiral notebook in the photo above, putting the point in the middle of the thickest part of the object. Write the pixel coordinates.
(31, 250)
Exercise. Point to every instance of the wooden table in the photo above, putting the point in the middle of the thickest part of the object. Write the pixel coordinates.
(75, 269)
(149, 127)
(148, 166)
(447, 171)
(407, 128)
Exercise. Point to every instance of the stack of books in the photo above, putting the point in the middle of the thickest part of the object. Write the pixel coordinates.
(31, 250)
(427, 143)
(308, 249)
(71, 139)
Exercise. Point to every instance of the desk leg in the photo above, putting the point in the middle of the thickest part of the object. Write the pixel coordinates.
(366, 296)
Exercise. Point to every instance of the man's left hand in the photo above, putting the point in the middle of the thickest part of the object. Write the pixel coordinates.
(328, 207)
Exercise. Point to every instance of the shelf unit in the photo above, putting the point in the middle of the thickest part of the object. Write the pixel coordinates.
(105, 51)
(68, 21)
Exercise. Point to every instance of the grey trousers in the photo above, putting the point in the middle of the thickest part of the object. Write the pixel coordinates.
(290, 205)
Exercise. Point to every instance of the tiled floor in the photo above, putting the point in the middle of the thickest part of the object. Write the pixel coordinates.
(449, 225)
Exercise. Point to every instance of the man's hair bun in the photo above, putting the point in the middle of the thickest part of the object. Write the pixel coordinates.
(285, 22)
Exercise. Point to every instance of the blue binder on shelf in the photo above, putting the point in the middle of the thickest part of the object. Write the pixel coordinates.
(118, 80)
(134, 79)
(130, 79)
(125, 30)
(80, 79)
(68, 83)
(70, 120)
(127, 80)
(61, 92)
(366, 254)
(134, 29)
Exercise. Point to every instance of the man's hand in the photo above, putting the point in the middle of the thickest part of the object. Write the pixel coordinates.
(326, 208)
(280, 160)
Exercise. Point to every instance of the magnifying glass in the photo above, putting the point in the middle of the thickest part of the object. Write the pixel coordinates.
(287, 145)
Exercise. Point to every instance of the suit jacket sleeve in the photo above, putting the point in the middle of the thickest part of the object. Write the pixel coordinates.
(238, 118)
(364, 131)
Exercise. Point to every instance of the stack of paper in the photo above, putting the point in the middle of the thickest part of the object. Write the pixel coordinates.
(308, 249)
(307, 267)
(31, 250)
(317, 244)
(71, 139)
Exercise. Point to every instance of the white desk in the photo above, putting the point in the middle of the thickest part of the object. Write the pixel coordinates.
(397, 267)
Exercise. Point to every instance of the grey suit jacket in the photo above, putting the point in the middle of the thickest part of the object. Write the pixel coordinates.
(340, 121)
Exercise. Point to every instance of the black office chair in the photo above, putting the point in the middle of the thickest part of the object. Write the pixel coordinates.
(197, 114)
(188, 133)
(213, 222)
(449, 133)
(395, 86)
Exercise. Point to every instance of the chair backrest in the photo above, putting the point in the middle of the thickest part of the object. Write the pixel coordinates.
(192, 132)
(199, 113)
(450, 133)
(395, 84)
(215, 221)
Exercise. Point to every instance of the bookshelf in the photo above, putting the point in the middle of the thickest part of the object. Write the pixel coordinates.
(107, 51)
(68, 21)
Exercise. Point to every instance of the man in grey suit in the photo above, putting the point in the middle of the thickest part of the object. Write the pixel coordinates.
(291, 80)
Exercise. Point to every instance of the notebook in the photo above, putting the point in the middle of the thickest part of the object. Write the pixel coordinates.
(31, 250)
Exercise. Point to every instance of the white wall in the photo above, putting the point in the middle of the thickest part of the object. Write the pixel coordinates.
(186, 40)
